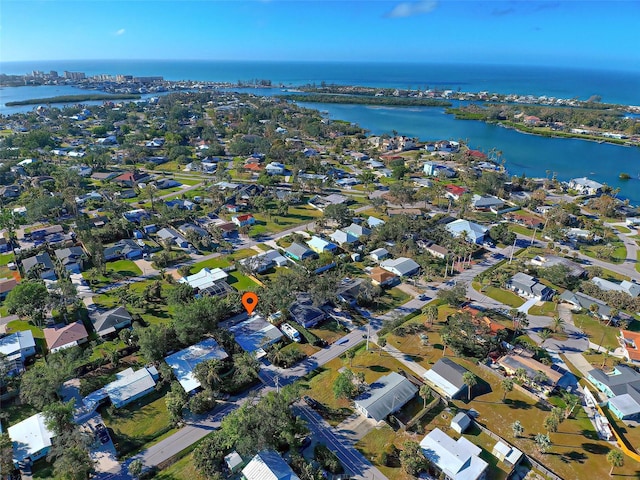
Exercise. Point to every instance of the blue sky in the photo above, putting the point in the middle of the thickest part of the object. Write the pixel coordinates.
(572, 33)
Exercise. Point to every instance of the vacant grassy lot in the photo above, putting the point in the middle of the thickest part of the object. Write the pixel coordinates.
(241, 282)
(380, 440)
(328, 331)
(598, 251)
(183, 469)
(297, 215)
(546, 308)
(223, 261)
(390, 299)
(126, 268)
(138, 423)
(597, 331)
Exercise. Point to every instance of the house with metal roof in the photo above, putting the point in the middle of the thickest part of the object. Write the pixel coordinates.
(16, 348)
(471, 231)
(208, 281)
(528, 286)
(60, 337)
(268, 465)
(342, 237)
(169, 234)
(630, 288)
(507, 454)
(385, 396)
(514, 362)
(126, 248)
(184, 362)
(374, 222)
(457, 459)
(31, 440)
(445, 377)
(585, 186)
(487, 203)
(105, 323)
(255, 334)
(320, 245)
(402, 267)
(357, 230)
(43, 260)
(379, 254)
(130, 386)
(298, 252)
(461, 422)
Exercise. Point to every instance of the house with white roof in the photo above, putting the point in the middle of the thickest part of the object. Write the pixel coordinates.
(208, 281)
(31, 439)
(585, 186)
(357, 230)
(379, 254)
(507, 454)
(403, 267)
(130, 386)
(457, 459)
(473, 232)
(255, 334)
(184, 362)
(268, 465)
(385, 396)
(264, 261)
(16, 348)
(341, 237)
(320, 245)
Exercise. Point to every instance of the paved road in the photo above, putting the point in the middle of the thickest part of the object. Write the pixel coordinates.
(353, 461)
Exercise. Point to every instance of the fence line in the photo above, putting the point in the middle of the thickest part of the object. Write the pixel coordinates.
(517, 387)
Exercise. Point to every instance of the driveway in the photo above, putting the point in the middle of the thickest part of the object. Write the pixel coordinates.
(524, 308)
(356, 426)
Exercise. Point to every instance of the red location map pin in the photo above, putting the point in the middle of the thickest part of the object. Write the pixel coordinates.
(250, 301)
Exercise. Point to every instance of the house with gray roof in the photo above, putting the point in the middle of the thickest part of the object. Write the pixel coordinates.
(106, 323)
(16, 348)
(379, 254)
(255, 334)
(622, 387)
(264, 261)
(528, 286)
(630, 288)
(486, 203)
(183, 362)
(445, 377)
(299, 252)
(342, 237)
(127, 249)
(304, 312)
(44, 261)
(71, 258)
(403, 267)
(545, 261)
(357, 230)
(582, 301)
(130, 386)
(171, 235)
(385, 396)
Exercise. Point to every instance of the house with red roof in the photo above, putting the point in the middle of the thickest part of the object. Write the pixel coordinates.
(477, 154)
(131, 179)
(454, 192)
(243, 220)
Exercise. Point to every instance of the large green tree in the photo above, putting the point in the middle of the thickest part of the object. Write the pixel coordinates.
(28, 299)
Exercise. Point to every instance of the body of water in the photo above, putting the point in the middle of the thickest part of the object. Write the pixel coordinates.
(614, 86)
(532, 155)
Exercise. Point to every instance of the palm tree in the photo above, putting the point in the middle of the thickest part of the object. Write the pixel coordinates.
(350, 354)
(571, 401)
(425, 393)
(545, 334)
(470, 380)
(382, 342)
(507, 386)
(615, 459)
(431, 313)
(551, 424)
(517, 428)
(543, 442)
(557, 324)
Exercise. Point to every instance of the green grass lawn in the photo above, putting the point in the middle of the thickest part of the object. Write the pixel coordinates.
(596, 251)
(241, 282)
(596, 330)
(5, 258)
(611, 275)
(297, 215)
(139, 423)
(126, 268)
(390, 299)
(379, 440)
(183, 469)
(547, 308)
(328, 331)
(504, 296)
(223, 261)
(622, 229)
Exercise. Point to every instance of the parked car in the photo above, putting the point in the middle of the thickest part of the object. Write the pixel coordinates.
(102, 434)
(311, 402)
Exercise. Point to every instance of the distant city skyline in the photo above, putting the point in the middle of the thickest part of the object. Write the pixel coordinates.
(588, 34)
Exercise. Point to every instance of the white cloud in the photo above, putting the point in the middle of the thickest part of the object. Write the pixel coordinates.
(411, 9)
(120, 32)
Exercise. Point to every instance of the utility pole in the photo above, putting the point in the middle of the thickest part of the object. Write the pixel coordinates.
(533, 237)
(367, 337)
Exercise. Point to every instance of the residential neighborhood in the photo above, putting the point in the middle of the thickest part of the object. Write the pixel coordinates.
(431, 317)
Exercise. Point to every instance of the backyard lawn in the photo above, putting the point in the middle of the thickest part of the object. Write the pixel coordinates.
(547, 308)
(138, 424)
(241, 282)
